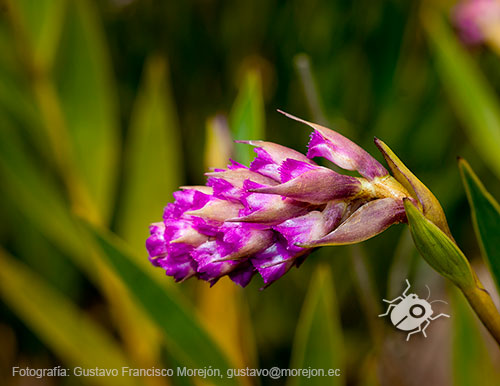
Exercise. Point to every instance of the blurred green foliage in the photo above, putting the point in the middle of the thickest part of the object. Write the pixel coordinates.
(103, 113)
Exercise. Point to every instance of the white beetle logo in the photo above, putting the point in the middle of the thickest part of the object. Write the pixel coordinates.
(411, 313)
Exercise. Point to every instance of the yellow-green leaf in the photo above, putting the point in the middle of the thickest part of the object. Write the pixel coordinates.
(42, 22)
(88, 101)
(72, 335)
(318, 339)
(247, 118)
(153, 163)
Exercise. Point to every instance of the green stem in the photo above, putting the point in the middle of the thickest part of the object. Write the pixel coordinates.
(481, 303)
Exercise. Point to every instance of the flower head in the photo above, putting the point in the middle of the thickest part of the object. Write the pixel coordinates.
(268, 217)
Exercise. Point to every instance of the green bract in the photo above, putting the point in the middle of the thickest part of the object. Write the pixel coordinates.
(438, 249)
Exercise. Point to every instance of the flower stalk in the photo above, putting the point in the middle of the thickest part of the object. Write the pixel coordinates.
(482, 304)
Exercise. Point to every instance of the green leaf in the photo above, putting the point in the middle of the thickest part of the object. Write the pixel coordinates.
(42, 21)
(485, 216)
(472, 364)
(247, 118)
(439, 250)
(72, 335)
(153, 164)
(87, 97)
(474, 99)
(186, 339)
(318, 339)
(36, 194)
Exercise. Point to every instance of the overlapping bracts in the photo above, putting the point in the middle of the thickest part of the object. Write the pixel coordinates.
(268, 217)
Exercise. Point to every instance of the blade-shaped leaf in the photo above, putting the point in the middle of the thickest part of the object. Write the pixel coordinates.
(186, 339)
(318, 339)
(35, 195)
(473, 97)
(247, 116)
(439, 250)
(42, 22)
(86, 94)
(486, 218)
(153, 164)
(72, 335)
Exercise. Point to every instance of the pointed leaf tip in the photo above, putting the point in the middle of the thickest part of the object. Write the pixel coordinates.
(431, 207)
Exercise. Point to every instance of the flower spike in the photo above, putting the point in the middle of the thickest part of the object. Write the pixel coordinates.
(267, 218)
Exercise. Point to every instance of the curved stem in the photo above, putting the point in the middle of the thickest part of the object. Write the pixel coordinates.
(481, 302)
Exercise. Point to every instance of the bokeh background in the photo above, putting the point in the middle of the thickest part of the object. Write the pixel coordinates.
(106, 107)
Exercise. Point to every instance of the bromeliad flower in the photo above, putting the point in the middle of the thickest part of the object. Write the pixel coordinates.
(268, 217)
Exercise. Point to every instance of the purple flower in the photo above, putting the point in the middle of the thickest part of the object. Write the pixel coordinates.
(267, 218)
(477, 19)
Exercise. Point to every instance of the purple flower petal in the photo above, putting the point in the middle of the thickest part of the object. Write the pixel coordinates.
(276, 260)
(312, 226)
(270, 156)
(292, 168)
(210, 267)
(228, 184)
(368, 221)
(178, 262)
(182, 231)
(240, 240)
(187, 199)
(217, 210)
(243, 274)
(155, 244)
(266, 208)
(316, 186)
(341, 151)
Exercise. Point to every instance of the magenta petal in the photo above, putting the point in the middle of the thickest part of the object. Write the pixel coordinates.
(243, 275)
(291, 169)
(178, 262)
(274, 262)
(210, 266)
(341, 151)
(316, 186)
(368, 221)
(242, 240)
(312, 226)
(217, 210)
(183, 231)
(270, 156)
(155, 244)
